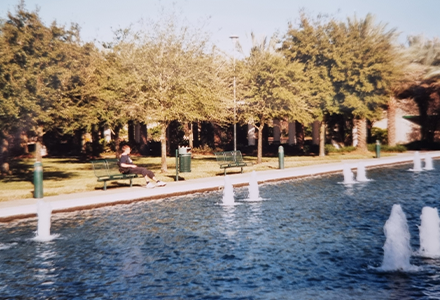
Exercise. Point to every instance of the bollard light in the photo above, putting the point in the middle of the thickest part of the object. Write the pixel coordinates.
(280, 157)
(38, 180)
(377, 149)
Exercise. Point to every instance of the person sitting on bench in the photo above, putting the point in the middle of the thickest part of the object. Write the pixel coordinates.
(126, 166)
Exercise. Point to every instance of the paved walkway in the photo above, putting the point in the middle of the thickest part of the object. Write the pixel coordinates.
(10, 210)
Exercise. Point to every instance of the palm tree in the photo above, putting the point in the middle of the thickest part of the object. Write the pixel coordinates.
(420, 82)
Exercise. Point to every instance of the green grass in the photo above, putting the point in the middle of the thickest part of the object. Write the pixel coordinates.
(71, 175)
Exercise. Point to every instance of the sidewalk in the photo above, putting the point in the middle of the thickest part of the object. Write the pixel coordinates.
(15, 209)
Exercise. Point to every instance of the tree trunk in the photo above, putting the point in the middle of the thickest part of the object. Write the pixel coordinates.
(163, 144)
(117, 140)
(392, 106)
(322, 138)
(131, 140)
(77, 142)
(190, 135)
(96, 146)
(422, 99)
(260, 143)
(24, 143)
(40, 134)
(362, 134)
(299, 129)
(4, 155)
(195, 130)
(143, 149)
(207, 134)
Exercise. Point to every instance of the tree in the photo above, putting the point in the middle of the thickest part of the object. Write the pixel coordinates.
(364, 69)
(273, 88)
(310, 45)
(175, 76)
(31, 74)
(350, 65)
(420, 82)
(97, 93)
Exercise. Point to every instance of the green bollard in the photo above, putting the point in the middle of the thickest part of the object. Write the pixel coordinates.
(280, 157)
(38, 180)
(377, 149)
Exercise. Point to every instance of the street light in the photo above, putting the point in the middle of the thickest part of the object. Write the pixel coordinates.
(234, 39)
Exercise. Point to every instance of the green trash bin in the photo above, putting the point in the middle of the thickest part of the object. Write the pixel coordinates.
(184, 160)
(185, 163)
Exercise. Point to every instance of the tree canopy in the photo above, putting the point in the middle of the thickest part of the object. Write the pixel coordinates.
(174, 76)
(273, 88)
(35, 68)
(169, 71)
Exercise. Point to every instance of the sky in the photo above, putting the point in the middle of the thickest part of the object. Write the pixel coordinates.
(223, 18)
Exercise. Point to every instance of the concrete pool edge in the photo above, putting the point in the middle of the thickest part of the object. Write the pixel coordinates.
(26, 208)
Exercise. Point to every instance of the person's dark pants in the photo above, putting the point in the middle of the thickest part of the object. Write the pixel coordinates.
(143, 171)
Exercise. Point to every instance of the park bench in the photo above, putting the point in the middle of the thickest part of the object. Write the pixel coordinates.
(231, 159)
(108, 169)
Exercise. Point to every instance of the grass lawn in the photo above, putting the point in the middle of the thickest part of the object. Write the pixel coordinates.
(71, 175)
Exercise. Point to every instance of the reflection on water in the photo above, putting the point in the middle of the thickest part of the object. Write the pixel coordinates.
(44, 267)
(308, 239)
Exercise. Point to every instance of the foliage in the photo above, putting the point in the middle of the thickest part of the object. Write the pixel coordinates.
(204, 149)
(386, 148)
(35, 66)
(421, 81)
(364, 65)
(308, 44)
(329, 148)
(273, 89)
(379, 134)
(350, 65)
(154, 133)
(174, 76)
(48, 79)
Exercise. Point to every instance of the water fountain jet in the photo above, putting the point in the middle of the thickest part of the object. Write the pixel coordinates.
(361, 176)
(348, 175)
(397, 249)
(428, 162)
(417, 162)
(228, 192)
(254, 193)
(429, 233)
(44, 211)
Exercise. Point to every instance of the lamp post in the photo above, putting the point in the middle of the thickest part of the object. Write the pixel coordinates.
(234, 39)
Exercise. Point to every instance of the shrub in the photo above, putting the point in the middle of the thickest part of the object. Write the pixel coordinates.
(329, 148)
(204, 149)
(378, 134)
(386, 148)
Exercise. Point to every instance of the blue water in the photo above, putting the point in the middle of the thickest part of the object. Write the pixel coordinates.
(309, 239)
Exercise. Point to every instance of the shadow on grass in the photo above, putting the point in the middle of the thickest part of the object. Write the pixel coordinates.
(29, 176)
(23, 170)
(205, 158)
(173, 177)
(71, 161)
(115, 184)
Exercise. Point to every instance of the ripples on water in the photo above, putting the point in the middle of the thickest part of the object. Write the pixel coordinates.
(308, 239)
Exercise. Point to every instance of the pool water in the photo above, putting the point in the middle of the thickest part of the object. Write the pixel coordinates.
(307, 239)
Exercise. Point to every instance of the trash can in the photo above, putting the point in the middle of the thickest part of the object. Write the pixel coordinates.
(184, 160)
